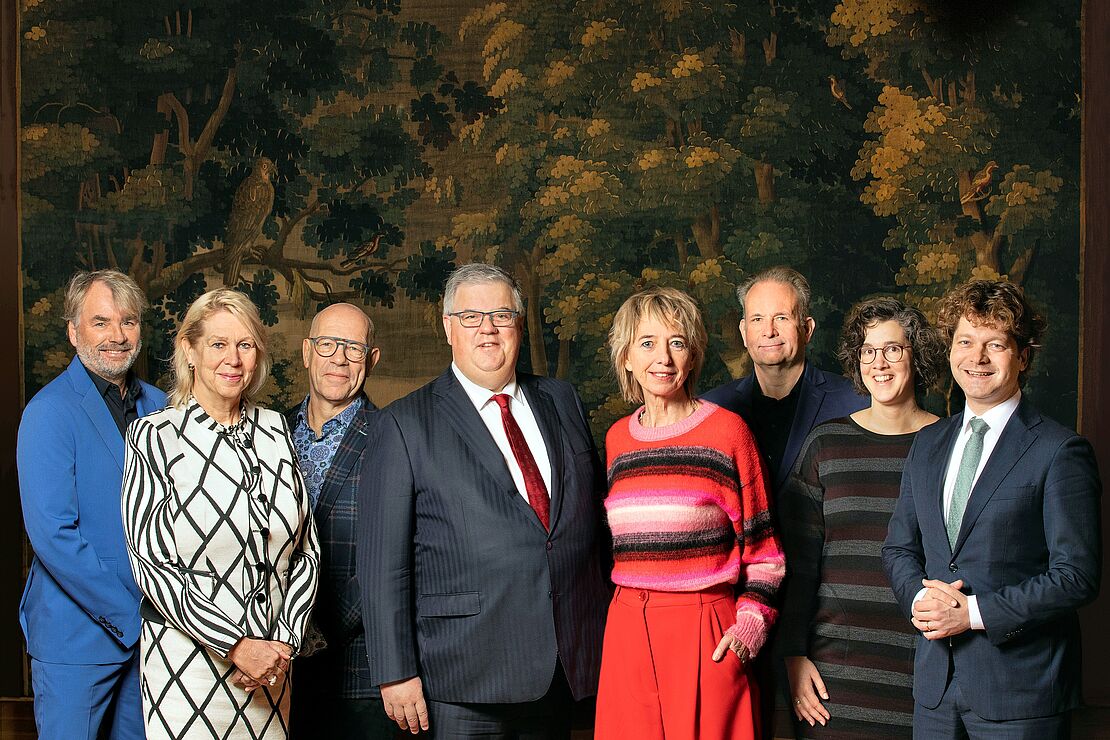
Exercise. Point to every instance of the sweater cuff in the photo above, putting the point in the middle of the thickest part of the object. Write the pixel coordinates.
(750, 630)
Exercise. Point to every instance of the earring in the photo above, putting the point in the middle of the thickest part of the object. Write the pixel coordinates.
(190, 366)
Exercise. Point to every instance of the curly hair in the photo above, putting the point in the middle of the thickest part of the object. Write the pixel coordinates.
(927, 347)
(996, 303)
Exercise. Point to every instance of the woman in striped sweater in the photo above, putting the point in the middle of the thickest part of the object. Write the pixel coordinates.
(848, 650)
(696, 562)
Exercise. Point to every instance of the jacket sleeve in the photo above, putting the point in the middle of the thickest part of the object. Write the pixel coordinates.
(1071, 516)
(46, 455)
(149, 507)
(903, 553)
(802, 520)
(304, 564)
(384, 561)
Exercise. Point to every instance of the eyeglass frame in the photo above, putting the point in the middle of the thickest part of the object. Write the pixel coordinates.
(515, 315)
(876, 350)
(347, 344)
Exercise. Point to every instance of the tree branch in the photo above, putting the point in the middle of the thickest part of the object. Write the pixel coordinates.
(204, 141)
(168, 103)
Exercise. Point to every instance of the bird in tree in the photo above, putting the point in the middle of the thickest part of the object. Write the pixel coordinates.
(836, 87)
(980, 184)
(361, 253)
(254, 200)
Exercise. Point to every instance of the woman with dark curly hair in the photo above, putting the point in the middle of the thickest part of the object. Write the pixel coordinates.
(848, 650)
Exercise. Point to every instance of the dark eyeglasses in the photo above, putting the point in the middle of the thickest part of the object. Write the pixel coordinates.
(474, 319)
(326, 347)
(892, 353)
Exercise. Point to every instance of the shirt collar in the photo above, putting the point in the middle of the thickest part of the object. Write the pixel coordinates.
(132, 388)
(342, 419)
(996, 416)
(480, 396)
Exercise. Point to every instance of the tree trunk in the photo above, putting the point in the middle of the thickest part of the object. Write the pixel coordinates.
(765, 182)
(985, 244)
(562, 365)
(707, 233)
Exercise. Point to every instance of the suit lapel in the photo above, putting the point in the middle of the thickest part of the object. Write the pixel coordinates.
(810, 398)
(1016, 438)
(547, 418)
(455, 406)
(93, 404)
(936, 466)
(350, 448)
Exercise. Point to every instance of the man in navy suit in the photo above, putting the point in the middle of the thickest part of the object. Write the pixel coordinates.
(480, 544)
(994, 543)
(783, 399)
(80, 607)
(334, 697)
(786, 395)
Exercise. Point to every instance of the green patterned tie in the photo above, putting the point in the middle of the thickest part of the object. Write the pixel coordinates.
(969, 463)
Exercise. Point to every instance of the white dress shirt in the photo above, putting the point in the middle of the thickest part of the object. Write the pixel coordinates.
(996, 418)
(482, 398)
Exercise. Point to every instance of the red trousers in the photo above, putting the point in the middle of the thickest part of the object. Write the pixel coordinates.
(658, 678)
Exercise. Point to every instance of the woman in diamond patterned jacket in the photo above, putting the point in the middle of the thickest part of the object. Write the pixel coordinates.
(220, 537)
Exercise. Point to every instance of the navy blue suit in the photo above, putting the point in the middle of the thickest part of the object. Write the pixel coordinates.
(823, 396)
(1028, 547)
(80, 606)
(462, 585)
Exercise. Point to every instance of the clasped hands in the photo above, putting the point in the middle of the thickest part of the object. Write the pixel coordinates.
(258, 662)
(942, 611)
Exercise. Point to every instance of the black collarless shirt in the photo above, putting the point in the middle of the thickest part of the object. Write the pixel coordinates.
(124, 407)
(771, 422)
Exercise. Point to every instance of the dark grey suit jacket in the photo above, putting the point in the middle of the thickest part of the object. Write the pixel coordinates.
(461, 584)
(1029, 548)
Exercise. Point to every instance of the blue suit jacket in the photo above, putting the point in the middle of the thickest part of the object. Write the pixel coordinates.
(341, 669)
(80, 603)
(1029, 548)
(462, 585)
(823, 396)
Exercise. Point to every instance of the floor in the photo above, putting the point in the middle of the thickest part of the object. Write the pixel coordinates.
(17, 722)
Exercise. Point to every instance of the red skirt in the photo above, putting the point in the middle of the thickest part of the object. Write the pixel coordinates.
(658, 678)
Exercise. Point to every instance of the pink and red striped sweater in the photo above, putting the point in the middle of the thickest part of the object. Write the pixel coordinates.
(687, 507)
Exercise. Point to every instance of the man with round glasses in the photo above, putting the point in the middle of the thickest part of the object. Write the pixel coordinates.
(330, 429)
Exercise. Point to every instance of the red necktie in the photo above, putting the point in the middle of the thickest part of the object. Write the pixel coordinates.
(533, 481)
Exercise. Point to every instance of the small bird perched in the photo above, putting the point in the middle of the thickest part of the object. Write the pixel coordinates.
(254, 200)
(361, 253)
(836, 87)
(980, 184)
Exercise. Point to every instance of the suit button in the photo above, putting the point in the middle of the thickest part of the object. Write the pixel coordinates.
(261, 567)
(952, 567)
(262, 497)
(550, 546)
(260, 598)
(265, 533)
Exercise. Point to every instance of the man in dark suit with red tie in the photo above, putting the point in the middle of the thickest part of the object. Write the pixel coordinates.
(480, 544)
(994, 543)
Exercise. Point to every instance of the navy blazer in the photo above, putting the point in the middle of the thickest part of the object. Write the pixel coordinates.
(823, 396)
(341, 669)
(1028, 547)
(462, 585)
(80, 603)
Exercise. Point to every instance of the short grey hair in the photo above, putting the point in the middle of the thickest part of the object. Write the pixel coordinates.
(779, 274)
(125, 291)
(479, 272)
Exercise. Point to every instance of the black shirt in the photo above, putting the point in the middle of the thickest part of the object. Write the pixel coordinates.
(123, 407)
(771, 421)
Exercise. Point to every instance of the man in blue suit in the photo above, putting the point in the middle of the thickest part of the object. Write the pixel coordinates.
(334, 696)
(786, 395)
(80, 607)
(994, 543)
(480, 549)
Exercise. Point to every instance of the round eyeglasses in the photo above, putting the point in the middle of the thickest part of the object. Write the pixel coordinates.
(474, 319)
(326, 347)
(892, 353)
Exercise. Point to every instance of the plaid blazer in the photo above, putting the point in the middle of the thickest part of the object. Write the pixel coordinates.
(341, 669)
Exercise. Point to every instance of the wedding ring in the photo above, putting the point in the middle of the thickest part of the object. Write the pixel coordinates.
(272, 681)
(797, 701)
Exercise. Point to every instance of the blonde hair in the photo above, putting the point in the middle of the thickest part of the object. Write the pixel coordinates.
(671, 306)
(192, 329)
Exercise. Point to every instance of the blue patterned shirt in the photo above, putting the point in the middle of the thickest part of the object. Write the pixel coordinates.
(314, 454)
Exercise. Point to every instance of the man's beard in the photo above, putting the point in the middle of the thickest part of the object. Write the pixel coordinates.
(115, 371)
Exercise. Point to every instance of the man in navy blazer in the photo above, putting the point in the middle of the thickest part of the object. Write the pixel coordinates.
(334, 697)
(480, 543)
(80, 606)
(994, 543)
(786, 395)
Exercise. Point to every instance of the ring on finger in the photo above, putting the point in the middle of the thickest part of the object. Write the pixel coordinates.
(797, 701)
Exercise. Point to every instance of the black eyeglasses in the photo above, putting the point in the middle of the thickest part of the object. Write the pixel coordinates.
(474, 319)
(892, 353)
(326, 347)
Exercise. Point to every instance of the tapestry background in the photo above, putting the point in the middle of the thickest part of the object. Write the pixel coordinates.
(592, 147)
